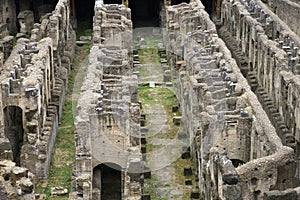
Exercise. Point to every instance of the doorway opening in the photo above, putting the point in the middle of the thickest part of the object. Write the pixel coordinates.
(107, 181)
(13, 121)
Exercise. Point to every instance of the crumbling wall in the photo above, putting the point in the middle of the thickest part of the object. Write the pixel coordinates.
(235, 148)
(108, 112)
(34, 79)
(15, 182)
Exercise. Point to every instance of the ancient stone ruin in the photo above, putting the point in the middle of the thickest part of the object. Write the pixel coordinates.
(233, 66)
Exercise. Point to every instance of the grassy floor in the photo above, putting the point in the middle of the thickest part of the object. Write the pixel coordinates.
(63, 156)
(165, 97)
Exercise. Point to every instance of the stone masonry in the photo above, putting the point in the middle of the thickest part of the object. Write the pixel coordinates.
(236, 66)
(237, 151)
(34, 77)
(108, 108)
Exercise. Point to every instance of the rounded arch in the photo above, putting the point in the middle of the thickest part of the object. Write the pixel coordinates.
(107, 181)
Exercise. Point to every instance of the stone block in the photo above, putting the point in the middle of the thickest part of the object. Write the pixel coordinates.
(280, 195)
(18, 173)
(169, 84)
(58, 191)
(177, 120)
(144, 129)
(165, 67)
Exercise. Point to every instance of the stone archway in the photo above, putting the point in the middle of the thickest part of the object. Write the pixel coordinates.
(14, 131)
(107, 181)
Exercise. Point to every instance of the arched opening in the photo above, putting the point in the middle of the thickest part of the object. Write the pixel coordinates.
(145, 13)
(107, 182)
(176, 2)
(13, 121)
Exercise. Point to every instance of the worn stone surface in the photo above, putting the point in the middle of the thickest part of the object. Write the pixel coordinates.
(33, 79)
(220, 112)
(33, 89)
(239, 98)
(15, 182)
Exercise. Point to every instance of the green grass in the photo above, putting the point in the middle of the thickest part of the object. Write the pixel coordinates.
(149, 55)
(153, 41)
(159, 95)
(63, 156)
(165, 97)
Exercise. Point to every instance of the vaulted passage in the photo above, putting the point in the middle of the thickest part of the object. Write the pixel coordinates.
(107, 182)
(14, 130)
(145, 12)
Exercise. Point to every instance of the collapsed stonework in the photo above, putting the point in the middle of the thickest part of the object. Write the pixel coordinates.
(15, 182)
(108, 113)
